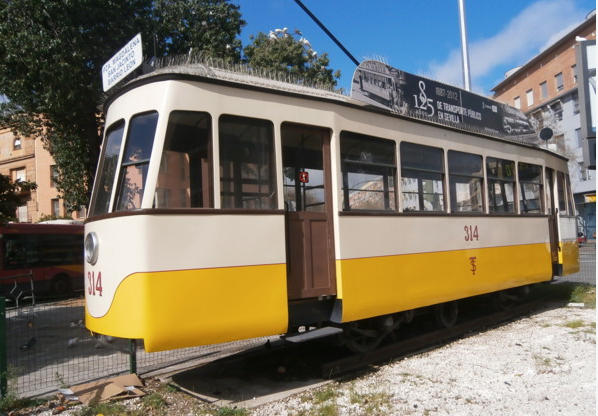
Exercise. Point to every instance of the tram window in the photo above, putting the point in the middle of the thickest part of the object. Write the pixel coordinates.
(422, 178)
(138, 151)
(247, 168)
(304, 175)
(369, 170)
(530, 188)
(570, 205)
(107, 169)
(549, 191)
(501, 184)
(564, 194)
(465, 181)
(184, 180)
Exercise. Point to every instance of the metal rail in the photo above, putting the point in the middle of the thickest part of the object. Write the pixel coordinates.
(342, 366)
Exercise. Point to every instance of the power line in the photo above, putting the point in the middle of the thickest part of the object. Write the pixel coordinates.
(315, 19)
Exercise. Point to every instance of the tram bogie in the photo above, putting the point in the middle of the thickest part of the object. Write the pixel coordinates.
(228, 207)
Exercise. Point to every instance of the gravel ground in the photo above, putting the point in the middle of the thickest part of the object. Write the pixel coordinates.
(540, 365)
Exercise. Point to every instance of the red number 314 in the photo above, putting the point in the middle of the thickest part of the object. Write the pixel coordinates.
(94, 285)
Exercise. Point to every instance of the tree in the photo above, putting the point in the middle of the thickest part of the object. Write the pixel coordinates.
(52, 52)
(281, 51)
(9, 197)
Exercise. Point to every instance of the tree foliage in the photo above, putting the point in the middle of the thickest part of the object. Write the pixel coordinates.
(52, 52)
(9, 197)
(281, 51)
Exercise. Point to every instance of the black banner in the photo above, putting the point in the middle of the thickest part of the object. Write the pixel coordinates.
(379, 84)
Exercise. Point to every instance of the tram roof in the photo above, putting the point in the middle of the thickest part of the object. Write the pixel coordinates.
(285, 84)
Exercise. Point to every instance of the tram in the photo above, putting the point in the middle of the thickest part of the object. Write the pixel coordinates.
(228, 206)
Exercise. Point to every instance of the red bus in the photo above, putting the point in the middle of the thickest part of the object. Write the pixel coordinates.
(40, 259)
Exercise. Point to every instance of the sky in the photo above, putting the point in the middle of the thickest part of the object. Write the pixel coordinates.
(423, 37)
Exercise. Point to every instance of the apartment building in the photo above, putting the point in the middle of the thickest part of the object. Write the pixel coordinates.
(26, 159)
(557, 89)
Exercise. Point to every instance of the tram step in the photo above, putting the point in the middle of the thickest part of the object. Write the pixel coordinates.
(313, 334)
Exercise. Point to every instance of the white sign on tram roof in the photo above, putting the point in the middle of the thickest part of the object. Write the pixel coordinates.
(122, 63)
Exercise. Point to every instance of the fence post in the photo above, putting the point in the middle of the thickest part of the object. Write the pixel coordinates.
(3, 350)
(132, 356)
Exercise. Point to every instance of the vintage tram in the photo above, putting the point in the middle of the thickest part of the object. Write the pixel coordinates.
(228, 206)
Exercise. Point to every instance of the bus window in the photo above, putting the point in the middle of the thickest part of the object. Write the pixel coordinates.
(107, 169)
(184, 180)
(138, 150)
(465, 181)
(530, 184)
(369, 170)
(422, 178)
(501, 184)
(247, 167)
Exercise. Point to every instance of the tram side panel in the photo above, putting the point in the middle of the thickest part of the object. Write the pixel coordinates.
(568, 247)
(180, 281)
(390, 264)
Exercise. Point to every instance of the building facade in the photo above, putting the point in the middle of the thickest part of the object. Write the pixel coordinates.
(26, 159)
(552, 90)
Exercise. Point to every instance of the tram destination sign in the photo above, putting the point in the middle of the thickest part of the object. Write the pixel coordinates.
(125, 61)
(379, 84)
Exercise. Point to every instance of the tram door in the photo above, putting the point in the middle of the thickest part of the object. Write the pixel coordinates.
(308, 211)
(552, 219)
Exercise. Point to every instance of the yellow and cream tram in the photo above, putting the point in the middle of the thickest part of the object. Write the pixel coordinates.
(228, 206)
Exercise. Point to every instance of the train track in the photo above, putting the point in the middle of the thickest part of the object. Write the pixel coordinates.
(421, 342)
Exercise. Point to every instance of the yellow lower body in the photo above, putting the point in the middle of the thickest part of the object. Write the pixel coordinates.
(569, 257)
(178, 309)
(382, 285)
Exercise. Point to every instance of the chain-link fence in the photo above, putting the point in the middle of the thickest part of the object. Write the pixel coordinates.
(48, 346)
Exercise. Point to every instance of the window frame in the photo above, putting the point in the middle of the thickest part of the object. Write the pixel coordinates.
(414, 169)
(375, 166)
(454, 174)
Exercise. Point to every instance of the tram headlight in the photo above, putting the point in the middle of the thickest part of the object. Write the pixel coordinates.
(91, 248)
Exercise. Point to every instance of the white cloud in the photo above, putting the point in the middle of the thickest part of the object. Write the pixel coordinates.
(524, 36)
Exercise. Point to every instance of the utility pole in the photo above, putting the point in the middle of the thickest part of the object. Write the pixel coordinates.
(464, 51)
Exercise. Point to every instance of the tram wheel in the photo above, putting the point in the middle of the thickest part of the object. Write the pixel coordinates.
(506, 299)
(360, 337)
(446, 314)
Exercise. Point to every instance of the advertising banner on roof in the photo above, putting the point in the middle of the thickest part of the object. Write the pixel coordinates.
(400, 92)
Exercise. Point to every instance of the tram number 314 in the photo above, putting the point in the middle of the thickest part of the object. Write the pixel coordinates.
(94, 284)
(471, 233)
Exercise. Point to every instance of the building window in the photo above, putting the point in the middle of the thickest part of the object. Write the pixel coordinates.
(578, 138)
(53, 175)
(574, 72)
(19, 175)
(543, 90)
(17, 144)
(557, 111)
(22, 213)
(530, 97)
(55, 207)
(575, 99)
(538, 120)
(517, 103)
(558, 78)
